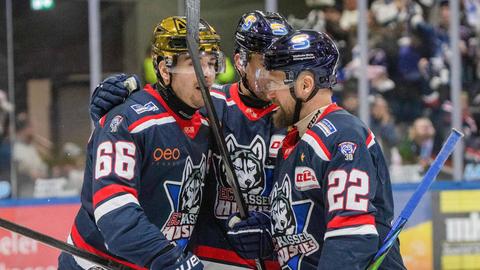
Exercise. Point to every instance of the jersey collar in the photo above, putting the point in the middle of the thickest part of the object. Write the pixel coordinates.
(253, 114)
(189, 126)
(291, 139)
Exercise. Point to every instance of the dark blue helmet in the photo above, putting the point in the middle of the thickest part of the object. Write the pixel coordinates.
(304, 50)
(257, 30)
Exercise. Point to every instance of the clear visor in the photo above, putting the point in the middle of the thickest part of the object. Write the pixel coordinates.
(212, 63)
(271, 80)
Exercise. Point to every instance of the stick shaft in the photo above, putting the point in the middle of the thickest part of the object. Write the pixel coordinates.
(50, 241)
(413, 202)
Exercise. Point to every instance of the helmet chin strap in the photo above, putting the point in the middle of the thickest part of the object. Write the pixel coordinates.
(299, 102)
(244, 80)
(298, 105)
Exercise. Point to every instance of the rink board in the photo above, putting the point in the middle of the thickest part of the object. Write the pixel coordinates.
(443, 233)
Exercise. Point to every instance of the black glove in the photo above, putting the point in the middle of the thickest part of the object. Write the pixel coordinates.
(175, 259)
(251, 237)
(111, 92)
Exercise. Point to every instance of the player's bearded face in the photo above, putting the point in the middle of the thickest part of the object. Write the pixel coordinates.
(272, 83)
(184, 80)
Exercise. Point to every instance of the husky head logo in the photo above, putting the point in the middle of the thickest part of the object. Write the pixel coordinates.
(283, 219)
(191, 191)
(248, 162)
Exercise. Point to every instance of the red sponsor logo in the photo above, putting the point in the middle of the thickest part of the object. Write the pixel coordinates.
(305, 179)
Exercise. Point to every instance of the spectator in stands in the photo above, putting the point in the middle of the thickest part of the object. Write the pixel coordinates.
(417, 147)
(5, 149)
(469, 126)
(70, 166)
(349, 97)
(5, 108)
(383, 126)
(28, 162)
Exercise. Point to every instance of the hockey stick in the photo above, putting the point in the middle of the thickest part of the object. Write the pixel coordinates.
(193, 20)
(422, 188)
(48, 240)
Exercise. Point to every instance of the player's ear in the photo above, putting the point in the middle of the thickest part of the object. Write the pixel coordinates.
(238, 62)
(305, 84)
(163, 70)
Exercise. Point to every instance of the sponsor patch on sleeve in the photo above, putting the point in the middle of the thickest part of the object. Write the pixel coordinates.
(347, 149)
(326, 127)
(149, 107)
(305, 179)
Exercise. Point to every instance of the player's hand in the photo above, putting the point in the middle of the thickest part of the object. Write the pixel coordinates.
(176, 259)
(251, 237)
(111, 92)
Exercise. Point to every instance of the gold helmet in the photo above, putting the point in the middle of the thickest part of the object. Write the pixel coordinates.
(170, 40)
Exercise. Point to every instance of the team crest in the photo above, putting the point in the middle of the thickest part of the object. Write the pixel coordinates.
(278, 29)
(248, 22)
(347, 149)
(300, 42)
(248, 162)
(116, 121)
(291, 240)
(283, 218)
(185, 199)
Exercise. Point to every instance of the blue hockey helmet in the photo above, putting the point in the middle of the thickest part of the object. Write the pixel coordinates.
(304, 50)
(257, 30)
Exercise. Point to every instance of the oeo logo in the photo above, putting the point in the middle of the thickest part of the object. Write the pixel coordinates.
(278, 29)
(248, 22)
(300, 42)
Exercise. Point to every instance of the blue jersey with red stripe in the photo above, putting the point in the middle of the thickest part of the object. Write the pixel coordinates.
(332, 196)
(143, 181)
(253, 143)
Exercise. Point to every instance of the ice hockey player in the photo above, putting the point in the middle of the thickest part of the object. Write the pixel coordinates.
(251, 138)
(331, 202)
(147, 161)
(253, 142)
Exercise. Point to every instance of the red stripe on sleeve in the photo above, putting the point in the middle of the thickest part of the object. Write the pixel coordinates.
(102, 120)
(145, 119)
(369, 138)
(228, 256)
(320, 143)
(80, 242)
(346, 221)
(111, 190)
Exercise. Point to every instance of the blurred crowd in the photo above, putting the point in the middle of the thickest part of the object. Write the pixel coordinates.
(409, 75)
(39, 168)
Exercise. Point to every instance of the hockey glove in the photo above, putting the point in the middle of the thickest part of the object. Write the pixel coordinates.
(111, 92)
(174, 259)
(251, 237)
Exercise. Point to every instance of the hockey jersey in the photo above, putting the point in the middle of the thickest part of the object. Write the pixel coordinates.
(143, 181)
(331, 193)
(253, 143)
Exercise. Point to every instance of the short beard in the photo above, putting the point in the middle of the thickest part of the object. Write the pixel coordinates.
(282, 118)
